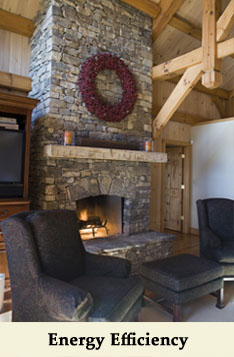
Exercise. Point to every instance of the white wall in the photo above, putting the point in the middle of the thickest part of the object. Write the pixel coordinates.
(212, 163)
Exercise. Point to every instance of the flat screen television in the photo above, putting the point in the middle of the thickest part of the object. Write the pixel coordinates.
(11, 163)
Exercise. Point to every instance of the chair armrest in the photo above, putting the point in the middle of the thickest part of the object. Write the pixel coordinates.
(63, 301)
(100, 265)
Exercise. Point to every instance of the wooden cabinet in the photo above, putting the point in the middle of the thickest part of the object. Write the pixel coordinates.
(8, 208)
(19, 108)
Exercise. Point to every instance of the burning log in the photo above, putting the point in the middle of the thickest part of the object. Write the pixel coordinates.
(93, 223)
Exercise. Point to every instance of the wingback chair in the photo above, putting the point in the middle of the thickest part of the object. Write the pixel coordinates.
(216, 230)
(53, 278)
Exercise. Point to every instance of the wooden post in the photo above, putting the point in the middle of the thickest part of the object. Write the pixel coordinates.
(156, 199)
(149, 7)
(168, 9)
(212, 77)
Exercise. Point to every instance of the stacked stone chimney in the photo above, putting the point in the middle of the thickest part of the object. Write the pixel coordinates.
(67, 33)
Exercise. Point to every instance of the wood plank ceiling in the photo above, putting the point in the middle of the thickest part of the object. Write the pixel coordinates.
(24, 8)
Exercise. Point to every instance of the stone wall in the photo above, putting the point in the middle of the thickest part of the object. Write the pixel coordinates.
(67, 33)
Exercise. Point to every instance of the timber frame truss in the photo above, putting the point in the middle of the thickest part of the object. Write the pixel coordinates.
(203, 63)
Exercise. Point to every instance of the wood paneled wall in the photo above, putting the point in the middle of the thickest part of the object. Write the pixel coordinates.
(176, 132)
(196, 103)
(15, 53)
(14, 48)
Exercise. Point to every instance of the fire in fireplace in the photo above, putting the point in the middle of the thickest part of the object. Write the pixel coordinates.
(92, 224)
(100, 216)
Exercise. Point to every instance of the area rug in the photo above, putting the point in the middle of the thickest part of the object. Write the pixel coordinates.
(199, 310)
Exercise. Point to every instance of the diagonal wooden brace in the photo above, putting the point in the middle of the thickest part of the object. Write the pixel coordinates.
(180, 92)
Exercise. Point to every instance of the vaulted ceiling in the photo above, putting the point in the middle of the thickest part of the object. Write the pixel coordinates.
(172, 39)
(183, 31)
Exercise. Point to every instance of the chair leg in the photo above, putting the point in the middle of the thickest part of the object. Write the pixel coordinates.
(220, 299)
(139, 317)
(176, 313)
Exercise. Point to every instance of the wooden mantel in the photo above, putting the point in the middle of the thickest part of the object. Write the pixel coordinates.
(85, 152)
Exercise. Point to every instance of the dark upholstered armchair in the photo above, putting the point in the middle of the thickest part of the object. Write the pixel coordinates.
(53, 278)
(216, 229)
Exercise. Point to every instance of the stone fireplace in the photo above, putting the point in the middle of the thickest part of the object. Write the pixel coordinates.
(77, 179)
(67, 33)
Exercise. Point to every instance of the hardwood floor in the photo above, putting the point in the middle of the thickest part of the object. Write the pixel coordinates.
(185, 243)
(7, 301)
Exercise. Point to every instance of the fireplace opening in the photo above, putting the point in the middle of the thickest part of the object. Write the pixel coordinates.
(100, 216)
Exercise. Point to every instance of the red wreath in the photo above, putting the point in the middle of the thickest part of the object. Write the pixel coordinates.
(93, 101)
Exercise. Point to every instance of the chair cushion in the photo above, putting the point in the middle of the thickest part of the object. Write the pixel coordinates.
(181, 272)
(58, 242)
(224, 254)
(220, 213)
(112, 297)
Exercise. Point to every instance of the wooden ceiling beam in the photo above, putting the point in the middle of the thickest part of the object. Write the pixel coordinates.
(225, 22)
(186, 118)
(149, 7)
(168, 10)
(152, 9)
(181, 117)
(180, 92)
(15, 23)
(225, 48)
(177, 65)
(222, 120)
(186, 27)
(218, 92)
(212, 77)
(14, 81)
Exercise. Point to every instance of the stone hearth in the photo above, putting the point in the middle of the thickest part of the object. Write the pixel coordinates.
(137, 248)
